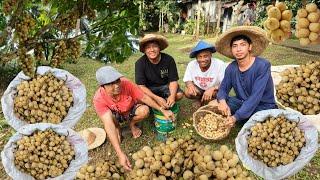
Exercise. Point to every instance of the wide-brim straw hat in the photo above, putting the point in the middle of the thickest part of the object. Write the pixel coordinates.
(161, 40)
(93, 136)
(257, 36)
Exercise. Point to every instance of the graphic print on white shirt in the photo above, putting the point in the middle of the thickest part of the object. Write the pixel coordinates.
(205, 80)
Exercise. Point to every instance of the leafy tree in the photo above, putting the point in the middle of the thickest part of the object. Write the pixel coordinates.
(154, 14)
(49, 32)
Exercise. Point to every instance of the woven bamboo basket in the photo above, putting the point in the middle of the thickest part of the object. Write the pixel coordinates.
(208, 109)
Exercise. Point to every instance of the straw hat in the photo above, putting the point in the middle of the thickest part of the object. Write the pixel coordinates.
(162, 41)
(257, 35)
(93, 136)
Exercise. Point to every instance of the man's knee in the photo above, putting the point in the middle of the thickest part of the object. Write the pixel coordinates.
(143, 111)
(109, 119)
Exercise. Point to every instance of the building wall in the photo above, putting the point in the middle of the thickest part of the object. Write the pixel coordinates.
(208, 8)
(211, 8)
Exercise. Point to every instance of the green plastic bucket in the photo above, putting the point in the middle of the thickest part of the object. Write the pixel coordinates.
(163, 125)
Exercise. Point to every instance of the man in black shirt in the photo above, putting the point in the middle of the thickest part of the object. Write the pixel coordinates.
(156, 73)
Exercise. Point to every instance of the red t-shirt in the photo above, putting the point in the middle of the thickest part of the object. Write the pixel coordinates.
(129, 95)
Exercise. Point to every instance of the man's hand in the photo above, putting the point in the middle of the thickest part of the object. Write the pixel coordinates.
(168, 115)
(124, 162)
(192, 90)
(231, 121)
(162, 102)
(208, 94)
(224, 108)
(171, 100)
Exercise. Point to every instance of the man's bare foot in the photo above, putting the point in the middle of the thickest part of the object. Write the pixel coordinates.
(136, 132)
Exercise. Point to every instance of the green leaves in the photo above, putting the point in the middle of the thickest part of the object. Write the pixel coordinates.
(108, 40)
(104, 36)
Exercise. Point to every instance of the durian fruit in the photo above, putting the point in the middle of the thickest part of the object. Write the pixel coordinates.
(302, 13)
(304, 41)
(268, 7)
(303, 33)
(314, 27)
(274, 12)
(311, 7)
(286, 15)
(308, 25)
(285, 26)
(303, 23)
(277, 25)
(277, 35)
(272, 23)
(281, 6)
(313, 17)
(313, 36)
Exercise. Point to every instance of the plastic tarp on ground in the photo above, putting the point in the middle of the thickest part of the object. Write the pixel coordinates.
(74, 84)
(280, 172)
(79, 145)
(275, 73)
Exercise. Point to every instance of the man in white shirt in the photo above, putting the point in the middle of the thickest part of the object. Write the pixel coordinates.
(204, 74)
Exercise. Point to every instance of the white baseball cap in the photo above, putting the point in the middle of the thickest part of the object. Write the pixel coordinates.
(107, 74)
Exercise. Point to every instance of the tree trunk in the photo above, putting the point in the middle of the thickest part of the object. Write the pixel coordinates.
(160, 14)
(219, 17)
(141, 7)
(208, 18)
(198, 20)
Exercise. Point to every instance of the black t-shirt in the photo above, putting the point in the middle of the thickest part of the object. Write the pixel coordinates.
(153, 75)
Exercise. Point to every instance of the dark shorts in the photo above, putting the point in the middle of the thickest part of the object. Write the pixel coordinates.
(163, 91)
(200, 90)
(124, 118)
(235, 104)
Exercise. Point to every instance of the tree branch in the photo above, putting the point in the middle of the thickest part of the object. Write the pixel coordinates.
(96, 29)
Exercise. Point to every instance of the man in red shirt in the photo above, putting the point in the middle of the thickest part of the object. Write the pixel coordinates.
(118, 99)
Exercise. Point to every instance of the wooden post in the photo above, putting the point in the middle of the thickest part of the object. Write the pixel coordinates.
(162, 14)
(208, 18)
(219, 17)
(160, 20)
(198, 19)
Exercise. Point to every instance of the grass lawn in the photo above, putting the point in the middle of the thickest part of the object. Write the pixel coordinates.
(179, 48)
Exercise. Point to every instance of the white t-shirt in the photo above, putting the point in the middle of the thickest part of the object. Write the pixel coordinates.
(205, 80)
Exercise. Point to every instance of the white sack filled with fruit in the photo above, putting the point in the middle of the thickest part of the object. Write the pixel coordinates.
(52, 96)
(276, 143)
(44, 151)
